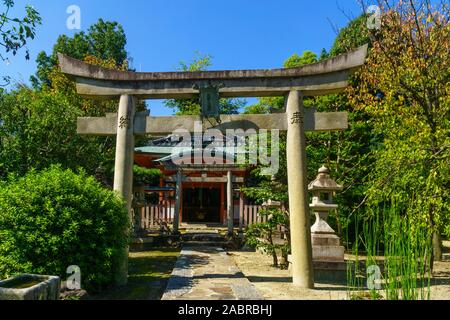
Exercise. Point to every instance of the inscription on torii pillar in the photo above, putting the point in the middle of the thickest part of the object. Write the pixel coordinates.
(325, 77)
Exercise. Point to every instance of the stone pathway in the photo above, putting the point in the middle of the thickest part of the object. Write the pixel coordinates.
(208, 273)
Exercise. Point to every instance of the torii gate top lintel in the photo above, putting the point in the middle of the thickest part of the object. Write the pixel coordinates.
(324, 77)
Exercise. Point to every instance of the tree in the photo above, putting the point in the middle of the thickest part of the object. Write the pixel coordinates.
(39, 126)
(104, 40)
(16, 32)
(192, 106)
(295, 60)
(262, 235)
(146, 176)
(353, 35)
(404, 87)
(39, 129)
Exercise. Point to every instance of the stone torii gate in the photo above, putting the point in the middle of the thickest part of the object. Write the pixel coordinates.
(325, 77)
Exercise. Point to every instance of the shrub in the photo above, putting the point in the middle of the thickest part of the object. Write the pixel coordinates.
(261, 235)
(142, 175)
(55, 218)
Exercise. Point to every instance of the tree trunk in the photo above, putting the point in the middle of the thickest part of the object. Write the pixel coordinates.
(437, 246)
(275, 258)
(284, 259)
(274, 252)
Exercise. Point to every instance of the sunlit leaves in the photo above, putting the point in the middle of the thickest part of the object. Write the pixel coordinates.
(56, 218)
(409, 65)
(16, 32)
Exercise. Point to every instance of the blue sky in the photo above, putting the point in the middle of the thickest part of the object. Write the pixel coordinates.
(238, 34)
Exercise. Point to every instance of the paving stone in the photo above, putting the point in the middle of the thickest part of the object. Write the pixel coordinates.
(208, 273)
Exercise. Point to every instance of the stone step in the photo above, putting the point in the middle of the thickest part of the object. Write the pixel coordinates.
(201, 231)
(202, 226)
(203, 237)
(220, 244)
(195, 239)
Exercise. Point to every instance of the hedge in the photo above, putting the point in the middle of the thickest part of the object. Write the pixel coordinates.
(55, 218)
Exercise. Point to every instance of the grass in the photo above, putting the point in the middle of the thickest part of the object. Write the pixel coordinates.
(148, 272)
(404, 271)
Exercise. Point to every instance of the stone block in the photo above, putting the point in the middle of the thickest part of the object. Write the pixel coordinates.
(328, 253)
(330, 272)
(318, 239)
(327, 271)
(30, 287)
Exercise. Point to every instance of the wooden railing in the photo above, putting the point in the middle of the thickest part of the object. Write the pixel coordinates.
(152, 215)
(249, 215)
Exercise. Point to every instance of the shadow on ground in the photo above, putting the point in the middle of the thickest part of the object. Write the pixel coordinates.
(149, 272)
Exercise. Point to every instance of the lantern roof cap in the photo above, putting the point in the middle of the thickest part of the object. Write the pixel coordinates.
(323, 181)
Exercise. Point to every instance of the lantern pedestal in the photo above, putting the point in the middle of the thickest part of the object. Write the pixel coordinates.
(325, 243)
(327, 271)
(328, 254)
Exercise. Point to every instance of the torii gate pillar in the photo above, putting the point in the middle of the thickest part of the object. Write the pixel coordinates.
(302, 267)
(123, 169)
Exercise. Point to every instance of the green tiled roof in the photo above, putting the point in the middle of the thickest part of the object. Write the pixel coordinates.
(167, 147)
(154, 150)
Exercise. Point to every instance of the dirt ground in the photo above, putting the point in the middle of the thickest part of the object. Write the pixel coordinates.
(275, 284)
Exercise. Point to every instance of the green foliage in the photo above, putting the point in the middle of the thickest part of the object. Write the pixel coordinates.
(295, 60)
(355, 34)
(262, 189)
(262, 235)
(153, 266)
(15, 33)
(104, 40)
(52, 219)
(39, 126)
(146, 176)
(257, 108)
(405, 271)
(404, 88)
(192, 106)
(200, 62)
(39, 129)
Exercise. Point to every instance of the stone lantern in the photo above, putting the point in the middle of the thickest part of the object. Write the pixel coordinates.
(325, 243)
